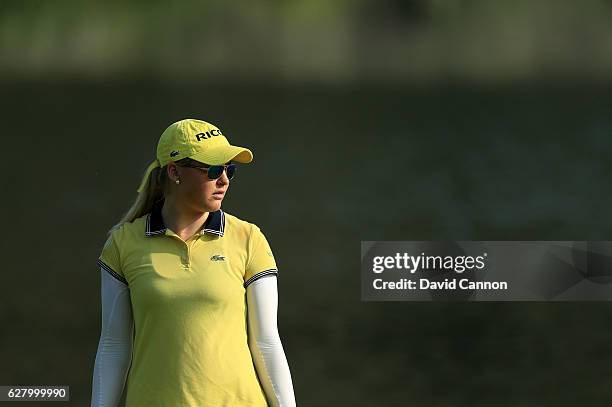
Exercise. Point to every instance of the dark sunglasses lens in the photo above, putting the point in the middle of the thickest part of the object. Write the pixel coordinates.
(231, 171)
(215, 171)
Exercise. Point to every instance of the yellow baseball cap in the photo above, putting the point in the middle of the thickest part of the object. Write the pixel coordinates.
(198, 140)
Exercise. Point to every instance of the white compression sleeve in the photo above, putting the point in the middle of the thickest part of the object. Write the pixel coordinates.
(115, 346)
(265, 343)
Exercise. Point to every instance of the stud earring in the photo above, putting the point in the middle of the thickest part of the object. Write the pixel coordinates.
(178, 181)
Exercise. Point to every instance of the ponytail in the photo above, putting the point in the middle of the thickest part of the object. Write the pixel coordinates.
(150, 191)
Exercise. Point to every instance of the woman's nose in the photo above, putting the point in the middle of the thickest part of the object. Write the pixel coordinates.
(223, 179)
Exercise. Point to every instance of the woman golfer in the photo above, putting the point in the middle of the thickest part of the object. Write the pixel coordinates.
(189, 292)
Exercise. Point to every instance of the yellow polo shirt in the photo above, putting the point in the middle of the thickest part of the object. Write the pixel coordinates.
(189, 308)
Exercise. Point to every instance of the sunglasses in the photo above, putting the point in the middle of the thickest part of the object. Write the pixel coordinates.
(215, 171)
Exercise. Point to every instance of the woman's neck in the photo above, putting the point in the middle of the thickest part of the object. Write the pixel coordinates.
(181, 219)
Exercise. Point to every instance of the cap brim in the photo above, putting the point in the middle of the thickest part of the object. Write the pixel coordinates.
(223, 154)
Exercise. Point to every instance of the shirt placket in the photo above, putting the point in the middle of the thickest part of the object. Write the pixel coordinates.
(186, 248)
(189, 247)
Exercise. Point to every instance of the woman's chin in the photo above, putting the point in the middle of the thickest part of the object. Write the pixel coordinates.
(214, 205)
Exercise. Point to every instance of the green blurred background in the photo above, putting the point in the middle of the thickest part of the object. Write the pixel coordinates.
(369, 120)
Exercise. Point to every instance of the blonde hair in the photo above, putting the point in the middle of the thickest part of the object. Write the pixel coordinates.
(154, 191)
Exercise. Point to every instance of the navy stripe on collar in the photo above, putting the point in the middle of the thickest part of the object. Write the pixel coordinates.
(215, 223)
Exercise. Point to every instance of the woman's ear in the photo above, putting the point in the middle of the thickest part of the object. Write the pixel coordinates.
(173, 172)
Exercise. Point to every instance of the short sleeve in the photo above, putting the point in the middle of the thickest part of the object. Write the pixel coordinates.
(109, 259)
(260, 261)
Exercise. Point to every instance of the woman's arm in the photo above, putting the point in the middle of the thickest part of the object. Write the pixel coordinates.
(265, 344)
(115, 347)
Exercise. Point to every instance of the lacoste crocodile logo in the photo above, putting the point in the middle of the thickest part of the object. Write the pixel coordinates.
(174, 153)
(218, 257)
